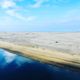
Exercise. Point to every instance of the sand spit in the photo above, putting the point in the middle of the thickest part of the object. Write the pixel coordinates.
(43, 55)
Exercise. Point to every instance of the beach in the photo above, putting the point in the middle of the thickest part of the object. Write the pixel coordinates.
(66, 42)
(47, 47)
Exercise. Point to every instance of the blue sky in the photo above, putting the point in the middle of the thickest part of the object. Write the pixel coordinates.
(40, 15)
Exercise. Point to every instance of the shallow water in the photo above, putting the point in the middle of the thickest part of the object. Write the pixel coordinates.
(15, 67)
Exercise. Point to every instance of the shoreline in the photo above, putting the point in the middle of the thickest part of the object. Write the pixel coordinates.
(45, 56)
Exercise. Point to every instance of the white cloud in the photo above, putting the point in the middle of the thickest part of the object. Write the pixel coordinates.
(15, 14)
(70, 18)
(10, 7)
(30, 18)
(38, 3)
(8, 4)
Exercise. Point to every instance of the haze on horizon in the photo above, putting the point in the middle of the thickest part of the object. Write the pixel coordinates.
(40, 15)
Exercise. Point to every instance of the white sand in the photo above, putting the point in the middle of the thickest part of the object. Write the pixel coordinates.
(66, 42)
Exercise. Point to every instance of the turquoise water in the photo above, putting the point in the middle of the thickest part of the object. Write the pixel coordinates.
(15, 67)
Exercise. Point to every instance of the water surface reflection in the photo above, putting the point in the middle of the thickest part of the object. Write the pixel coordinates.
(15, 67)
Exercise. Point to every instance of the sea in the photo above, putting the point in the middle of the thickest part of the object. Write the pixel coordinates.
(17, 67)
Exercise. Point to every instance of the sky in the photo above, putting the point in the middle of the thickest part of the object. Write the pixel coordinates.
(40, 15)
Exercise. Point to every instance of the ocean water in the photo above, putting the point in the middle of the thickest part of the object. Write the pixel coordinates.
(16, 67)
